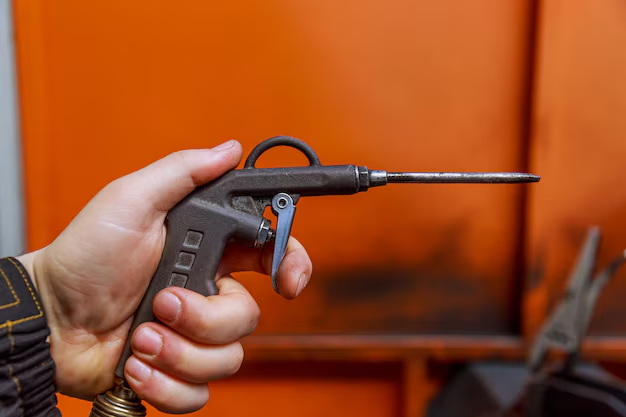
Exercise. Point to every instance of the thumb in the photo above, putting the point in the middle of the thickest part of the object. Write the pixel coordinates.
(167, 181)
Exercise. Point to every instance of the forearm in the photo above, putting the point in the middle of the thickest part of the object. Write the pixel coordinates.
(26, 366)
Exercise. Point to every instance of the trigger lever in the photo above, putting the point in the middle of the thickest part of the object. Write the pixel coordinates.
(284, 209)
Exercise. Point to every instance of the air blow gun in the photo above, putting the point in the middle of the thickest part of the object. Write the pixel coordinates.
(230, 210)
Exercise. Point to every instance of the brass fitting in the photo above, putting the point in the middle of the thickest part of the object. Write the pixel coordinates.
(119, 401)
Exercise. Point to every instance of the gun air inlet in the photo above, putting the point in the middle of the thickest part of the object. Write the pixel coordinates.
(120, 401)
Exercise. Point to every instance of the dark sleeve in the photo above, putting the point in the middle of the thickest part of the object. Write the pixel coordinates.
(26, 367)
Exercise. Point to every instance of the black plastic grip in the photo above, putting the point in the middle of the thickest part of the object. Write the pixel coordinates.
(197, 233)
(190, 259)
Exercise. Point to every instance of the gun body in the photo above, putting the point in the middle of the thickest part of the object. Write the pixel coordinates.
(228, 210)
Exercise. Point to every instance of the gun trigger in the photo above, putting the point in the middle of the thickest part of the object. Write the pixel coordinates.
(284, 209)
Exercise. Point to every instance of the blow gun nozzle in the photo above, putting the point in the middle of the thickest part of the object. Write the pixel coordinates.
(377, 178)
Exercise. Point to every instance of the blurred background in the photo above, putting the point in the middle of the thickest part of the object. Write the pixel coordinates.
(408, 281)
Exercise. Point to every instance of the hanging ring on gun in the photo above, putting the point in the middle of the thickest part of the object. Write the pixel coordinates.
(314, 160)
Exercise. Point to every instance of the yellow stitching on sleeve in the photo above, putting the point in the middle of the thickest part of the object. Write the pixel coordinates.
(32, 294)
(10, 335)
(17, 299)
(17, 384)
(15, 379)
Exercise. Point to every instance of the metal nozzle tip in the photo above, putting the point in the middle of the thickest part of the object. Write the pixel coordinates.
(461, 177)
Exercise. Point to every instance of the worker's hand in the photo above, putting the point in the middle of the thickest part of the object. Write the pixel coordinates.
(93, 276)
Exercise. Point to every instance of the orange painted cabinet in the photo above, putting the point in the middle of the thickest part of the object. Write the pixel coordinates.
(578, 145)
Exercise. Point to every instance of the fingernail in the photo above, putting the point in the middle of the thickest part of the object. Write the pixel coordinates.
(224, 146)
(167, 307)
(137, 370)
(302, 282)
(148, 342)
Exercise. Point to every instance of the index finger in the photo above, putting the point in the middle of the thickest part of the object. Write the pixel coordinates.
(292, 276)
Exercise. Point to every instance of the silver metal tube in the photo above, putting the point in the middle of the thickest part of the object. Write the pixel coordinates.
(461, 177)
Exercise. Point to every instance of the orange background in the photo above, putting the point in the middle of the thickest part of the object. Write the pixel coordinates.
(405, 276)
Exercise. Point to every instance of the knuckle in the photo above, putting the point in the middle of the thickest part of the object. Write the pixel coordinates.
(235, 359)
(179, 156)
(183, 158)
(253, 315)
(115, 187)
(172, 355)
(247, 311)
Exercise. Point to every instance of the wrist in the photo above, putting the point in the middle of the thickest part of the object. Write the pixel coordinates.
(28, 262)
(32, 264)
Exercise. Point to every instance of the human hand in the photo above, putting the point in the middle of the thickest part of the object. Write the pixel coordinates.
(93, 276)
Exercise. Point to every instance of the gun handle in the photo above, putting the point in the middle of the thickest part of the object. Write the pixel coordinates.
(193, 251)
